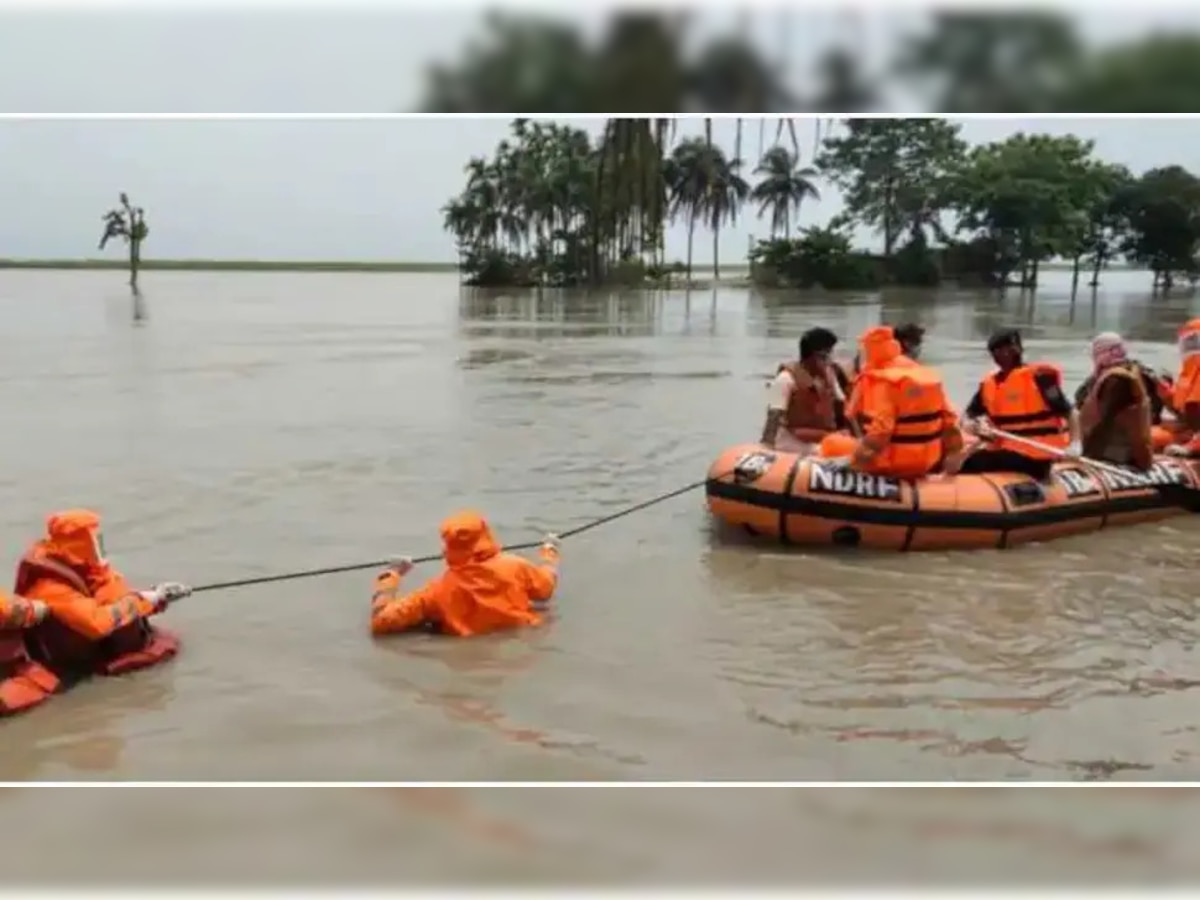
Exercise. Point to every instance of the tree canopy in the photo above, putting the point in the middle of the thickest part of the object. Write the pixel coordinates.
(554, 206)
(962, 61)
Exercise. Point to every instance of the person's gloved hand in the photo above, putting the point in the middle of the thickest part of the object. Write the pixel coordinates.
(173, 590)
(401, 565)
(984, 429)
(1177, 450)
(551, 547)
(38, 608)
(156, 597)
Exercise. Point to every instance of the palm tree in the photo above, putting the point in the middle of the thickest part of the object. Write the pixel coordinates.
(727, 192)
(631, 192)
(127, 222)
(784, 188)
(686, 177)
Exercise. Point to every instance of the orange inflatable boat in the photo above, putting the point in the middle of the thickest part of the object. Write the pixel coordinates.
(801, 500)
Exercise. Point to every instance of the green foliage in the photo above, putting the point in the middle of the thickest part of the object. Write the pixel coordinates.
(1029, 194)
(553, 208)
(998, 62)
(892, 172)
(1163, 209)
(530, 64)
(820, 257)
(784, 187)
(963, 62)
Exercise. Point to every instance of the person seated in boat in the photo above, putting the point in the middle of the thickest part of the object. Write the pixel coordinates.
(97, 623)
(481, 590)
(1115, 419)
(900, 409)
(911, 336)
(805, 398)
(1185, 396)
(1024, 399)
(23, 682)
(1157, 386)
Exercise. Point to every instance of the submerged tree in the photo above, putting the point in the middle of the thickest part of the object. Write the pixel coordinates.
(127, 222)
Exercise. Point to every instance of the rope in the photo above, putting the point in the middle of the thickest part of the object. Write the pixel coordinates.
(379, 564)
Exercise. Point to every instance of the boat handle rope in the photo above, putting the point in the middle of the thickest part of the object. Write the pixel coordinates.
(379, 564)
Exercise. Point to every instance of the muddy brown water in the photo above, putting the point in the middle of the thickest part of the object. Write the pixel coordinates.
(261, 423)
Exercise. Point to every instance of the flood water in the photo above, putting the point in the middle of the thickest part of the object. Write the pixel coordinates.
(262, 423)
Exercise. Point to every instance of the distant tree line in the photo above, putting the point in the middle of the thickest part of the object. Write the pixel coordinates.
(553, 207)
(964, 61)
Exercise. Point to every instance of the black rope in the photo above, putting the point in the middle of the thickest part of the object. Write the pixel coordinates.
(379, 564)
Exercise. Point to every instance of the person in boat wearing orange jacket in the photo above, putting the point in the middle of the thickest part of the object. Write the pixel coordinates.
(908, 426)
(911, 337)
(807, 397)
(1185, 398)
(1024, 399)
(481, 590)
(23, 682)
(97, 623)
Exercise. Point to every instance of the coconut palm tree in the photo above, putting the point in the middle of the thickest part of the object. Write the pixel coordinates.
(727, 193)
(784, 188)
(686, 177)
(127, 222)
(630, 188)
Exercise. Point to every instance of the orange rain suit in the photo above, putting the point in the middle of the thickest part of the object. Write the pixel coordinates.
(481, 590)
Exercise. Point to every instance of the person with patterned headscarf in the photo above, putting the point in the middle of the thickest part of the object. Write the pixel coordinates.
(1158, 386)
(1115, 417)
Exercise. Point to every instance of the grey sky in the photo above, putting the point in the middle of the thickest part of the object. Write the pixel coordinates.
(349, 189)
(365, 190)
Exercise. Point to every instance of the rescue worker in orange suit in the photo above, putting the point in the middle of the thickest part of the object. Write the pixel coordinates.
(23, 683)
(900, 407)
(481, 590)
(911, 337)
(1185, 398)
(1024, 399)
(806, 397)
(1115, 419)
(97, 623)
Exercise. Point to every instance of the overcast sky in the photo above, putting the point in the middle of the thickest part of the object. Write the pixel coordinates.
(326, 190)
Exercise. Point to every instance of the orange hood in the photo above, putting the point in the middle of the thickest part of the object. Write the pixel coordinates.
(879, 347)
(466, 539)
(73, 536)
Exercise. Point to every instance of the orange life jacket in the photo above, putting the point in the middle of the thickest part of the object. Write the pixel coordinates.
(1187, 386)
(1015, 405)
(811, 411)
(71, 655)
(24, 683)
(914, 446)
